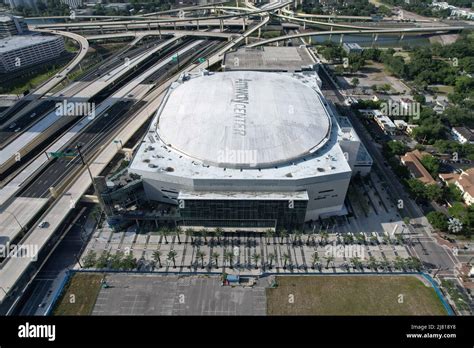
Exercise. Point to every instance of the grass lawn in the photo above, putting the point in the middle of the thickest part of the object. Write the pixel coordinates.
(85, 287)
(352, 295)
(444, 89)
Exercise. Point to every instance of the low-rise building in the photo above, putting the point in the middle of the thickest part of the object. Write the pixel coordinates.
(352, 47)
(412, 160)
(464, 182)
(463, 135)
(400, 124)
(439, 106)
(385, 123)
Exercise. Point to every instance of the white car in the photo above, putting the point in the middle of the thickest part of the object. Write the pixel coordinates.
(43, 224)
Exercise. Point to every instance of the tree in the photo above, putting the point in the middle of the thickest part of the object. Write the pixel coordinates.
(189, 232)
(255, 258)
(218, 233)
(329, 259)
(115, 261)
(204, 234)
(314, 259)
(355, 262)
(269, 234)
(90, 259)
(157, 257)
(431, 164)
(283, 234)
(270, 258)
(201, 255)
(178, 230)
(165, 232)
(433, 192)
(384, 264)
(324, 237)
(399, 263)
(455, 225)
(438, 220)
(215, 255)
(452, 193)
(373, 263)
(285, 258)
(129, 262)
(417, 188)
(103, 260)
(229, 256)
(172, 256)
(394, 147)
(355, 82)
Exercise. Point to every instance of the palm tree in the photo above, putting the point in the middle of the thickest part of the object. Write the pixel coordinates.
(399, 263)
(198, 236)
(270, 258)
(218, 232)
(178, 230)
(384, 264)
(269, 234)
(172, 256)
(285, 258)
(374, 240)
(329, 259)
(373, 263)
(314, 259)
(201, 255)
(360, 238)
(283, 234)
(324, 237)
(157, 257)
(355, 262)
(164, 232)
(229, 255)
(255, 258)
(189, 232)
(415, 263)
(215, 255)
(204, 234)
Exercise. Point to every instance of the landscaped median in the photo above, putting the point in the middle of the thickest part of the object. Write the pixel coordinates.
(353, 295)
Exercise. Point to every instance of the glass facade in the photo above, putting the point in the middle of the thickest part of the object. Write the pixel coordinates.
(244, 213)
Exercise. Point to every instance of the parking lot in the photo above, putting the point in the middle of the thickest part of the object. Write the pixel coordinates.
(177, 295)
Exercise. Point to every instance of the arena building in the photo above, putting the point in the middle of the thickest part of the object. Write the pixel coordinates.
(247, 150)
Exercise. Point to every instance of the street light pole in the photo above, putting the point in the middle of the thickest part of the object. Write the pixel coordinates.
(78, 148)
(14, 216)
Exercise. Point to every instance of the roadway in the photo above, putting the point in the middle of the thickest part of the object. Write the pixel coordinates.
(141, 34)
(40, 294)
(355, 32)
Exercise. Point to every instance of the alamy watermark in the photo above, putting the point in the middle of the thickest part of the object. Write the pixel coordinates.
(28, 251)
(345, 251)
(66, 108)
(401, 108)
(248, 157)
